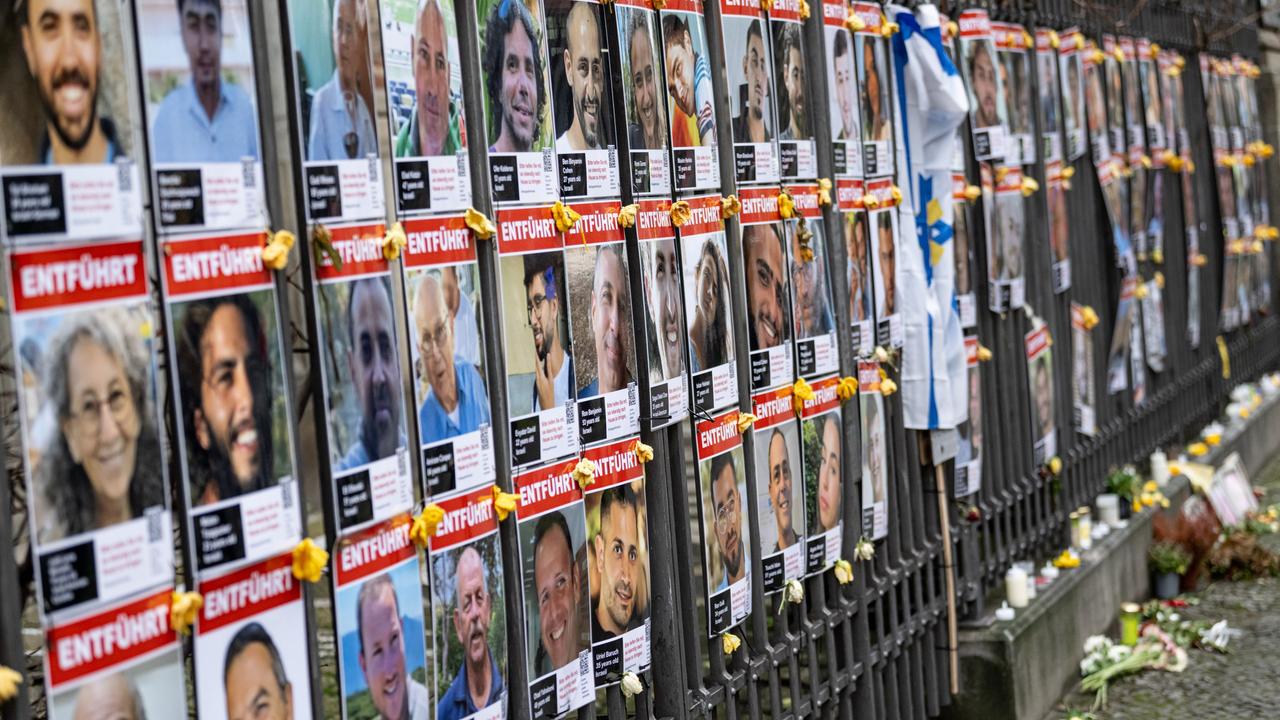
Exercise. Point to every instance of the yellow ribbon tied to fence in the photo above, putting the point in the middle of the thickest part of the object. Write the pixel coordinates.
(847, 388)
(10, 681)
(566, 217)
(730, 205)
(585, 473)
(394, 242)
(504, 503)
(627, 215)
(425, 524)
(184, 607)
(275, 253)
(309, 560)
(680, 212)
(481, 226)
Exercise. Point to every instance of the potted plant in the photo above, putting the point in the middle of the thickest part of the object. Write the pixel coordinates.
(1124, 481)
(1168, 562)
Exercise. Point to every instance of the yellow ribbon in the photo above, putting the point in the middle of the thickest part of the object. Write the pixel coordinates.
(847, 388)
(644, 453)
(745, 421)
(888, 28)
(1225, 356)
(425, 524)
(1088, 317)
(680, 212)
(394, 242)
(854, 23)
(871, 202)
(824, 191)
(480, 224)
(888, 387)
(972, 192)
(1029, 186)
(275, 254)
(309, 560)
(10, 681)
(184, 607)
(766, 5)
(1055, 465)
(895, 193)
(585, 473)
(786, 205)
(804, 9)
(984, 353)
(565, 216)
(1054, 40)
(800, 392)
(729, 642)
(504, 503)
(627, 215)
(729, 206)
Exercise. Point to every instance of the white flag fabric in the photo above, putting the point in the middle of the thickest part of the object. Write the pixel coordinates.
(931, 103)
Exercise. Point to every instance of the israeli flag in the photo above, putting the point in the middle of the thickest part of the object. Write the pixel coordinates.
(931, 103)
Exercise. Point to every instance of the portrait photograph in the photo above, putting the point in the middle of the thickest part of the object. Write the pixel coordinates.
(791, 78)
(779, 494)
(1154, 109)
(423, 77)
(469, 626)
(335, 78)
(858, 266)
(963, 255)
(446, 351)
(1095, 105)
(1009, 221)
(231, 391)
(766, 271)
(821, 440)
(600, 294)
(706, 301)
(690, 97)
(1040, 379)
(664, 315)
(582, 97)
(557, 602)
(873, 88)
(199, 86)
(1016, 77)
(1059, 221)
(1082, 379)
(65, 99)
(813, 313)
(723, 484)
(91, 423)
(256, 667)
(362, 364)
(842, 86)
(985, 83)
(749, 70)
(884, 251)
(1072, 76)
(148, 689)
(1047, 84)
(969, 445)
(535, 304)
(379, 627)
(618, 560)
(644, 101)
(875, 462)
(514, 66)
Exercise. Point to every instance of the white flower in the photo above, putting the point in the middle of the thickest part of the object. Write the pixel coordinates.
(1096, 643)
(1174, 617)
(795, 591)
(1116, 653)
(1089, 665)
(1179, 661)
(631, 685)
(864, 550)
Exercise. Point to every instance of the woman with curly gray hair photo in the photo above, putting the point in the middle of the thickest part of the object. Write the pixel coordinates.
(102, 464)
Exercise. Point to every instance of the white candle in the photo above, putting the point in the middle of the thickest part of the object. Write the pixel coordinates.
(1159, 467)
(1015, 586)
(1109, 509)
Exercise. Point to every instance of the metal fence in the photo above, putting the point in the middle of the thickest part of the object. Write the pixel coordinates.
(877, 647)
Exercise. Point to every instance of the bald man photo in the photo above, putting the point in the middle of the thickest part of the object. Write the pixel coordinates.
(584, 71)
(113, 696)
(435, 127)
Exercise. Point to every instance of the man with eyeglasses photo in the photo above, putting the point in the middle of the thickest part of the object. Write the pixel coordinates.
(553, 364)
(456, 402)
(726, 508)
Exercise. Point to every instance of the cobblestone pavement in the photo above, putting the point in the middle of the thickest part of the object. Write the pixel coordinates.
(1242, 685)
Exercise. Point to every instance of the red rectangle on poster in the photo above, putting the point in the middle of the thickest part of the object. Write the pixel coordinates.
(360, 249)
(109, 638)
(528, 229)
(373, 550)
(248, 592)
(466, 517)
(548, 488)
(438, 241)
(615, 463)
(719, 434)
(759, 205)
(215, 263)
(45, 279)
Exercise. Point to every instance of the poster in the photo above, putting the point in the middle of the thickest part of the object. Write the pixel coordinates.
(1113, 75)
(97, 486)
(842, 92)
(664, 314)
(582, 101)
(766, 273)
(618, 561)
(1094, 103)
(379, 625)
(542, 389)
(365, 413)
(468, 610)
(690, 98)
(70, 142)
(969, 448)
(705, 276)
(966, 296)
(749, 72)
(643, 101)
(1118, 354)
(552, 530)
(446, 351)
(821, 465)
(857, 265)
(779, 508)
(1049, 97)
(1059, 226)
(1135, 134)
(875, 452)
(1137, 351)
(200, 94)
(1230, 492)
(123, 661)
(601, 313)
(882, 226)
(1005, 242)
(871, 50)
(1084, 387)
(232, 402)
(517, 103)
(814, 314)
(342, 173)
(1011, 43)
(1039, 354)
(722, 496)
(251, 649)
(797, 148)
(427, 124)
(1153, 325)
(983, 79)
(1071, 74)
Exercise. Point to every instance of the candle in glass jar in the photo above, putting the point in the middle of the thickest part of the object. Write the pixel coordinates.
(1129, 623)
(1075, 529)
(1086, 527)
(1109, 509)
(1159, 467)
(1015, 587)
